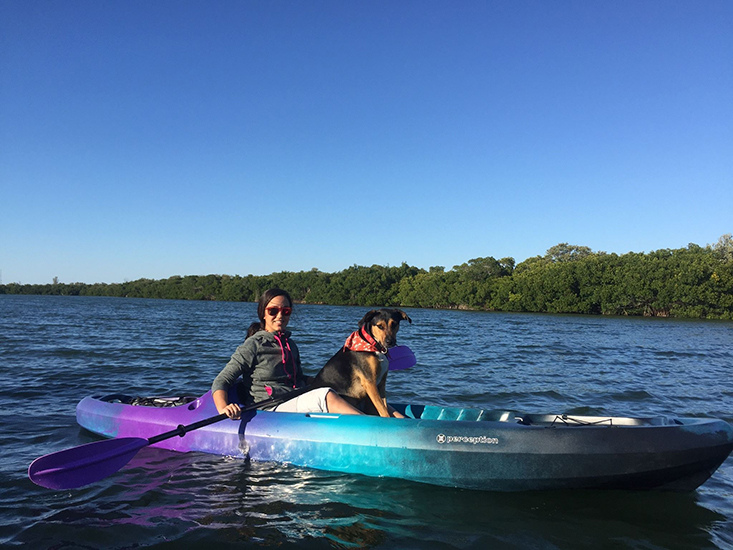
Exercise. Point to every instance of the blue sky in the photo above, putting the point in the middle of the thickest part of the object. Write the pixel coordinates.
(151, 139)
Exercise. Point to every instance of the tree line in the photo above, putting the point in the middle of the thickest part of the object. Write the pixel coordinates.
(692, 282)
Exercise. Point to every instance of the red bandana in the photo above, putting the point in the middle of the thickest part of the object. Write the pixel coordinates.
(361, 340)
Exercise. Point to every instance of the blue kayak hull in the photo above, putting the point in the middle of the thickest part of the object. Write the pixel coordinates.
(454, 447)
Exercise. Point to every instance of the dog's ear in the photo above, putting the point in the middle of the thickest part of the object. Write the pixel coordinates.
(404, 316)
(367, 319)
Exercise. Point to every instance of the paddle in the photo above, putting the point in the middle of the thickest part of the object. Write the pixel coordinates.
(85, 464)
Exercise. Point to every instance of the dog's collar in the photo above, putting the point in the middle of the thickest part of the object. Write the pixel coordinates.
(361, 340)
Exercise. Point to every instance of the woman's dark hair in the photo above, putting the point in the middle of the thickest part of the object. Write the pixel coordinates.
(266, 298)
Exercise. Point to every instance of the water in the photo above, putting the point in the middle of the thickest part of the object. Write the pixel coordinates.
(56, 350)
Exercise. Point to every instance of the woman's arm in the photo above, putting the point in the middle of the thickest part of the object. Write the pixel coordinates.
(241, 361)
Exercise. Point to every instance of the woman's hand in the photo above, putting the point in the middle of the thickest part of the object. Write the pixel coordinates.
(221, 401)
(232, 410)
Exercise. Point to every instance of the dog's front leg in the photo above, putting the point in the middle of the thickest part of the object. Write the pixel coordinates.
(382, 389)
(379, 403)
(368, 383)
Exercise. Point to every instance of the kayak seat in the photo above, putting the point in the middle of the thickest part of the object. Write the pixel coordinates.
(434, 412)
(469, 415)
(431, 412)
(440, 413)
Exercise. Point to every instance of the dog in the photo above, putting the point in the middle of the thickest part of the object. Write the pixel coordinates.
(358, 371)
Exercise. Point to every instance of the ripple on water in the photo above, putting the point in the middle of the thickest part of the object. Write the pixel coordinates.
(55, 350)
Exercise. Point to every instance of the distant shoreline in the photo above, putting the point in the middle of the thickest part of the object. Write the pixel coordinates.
(692, 282)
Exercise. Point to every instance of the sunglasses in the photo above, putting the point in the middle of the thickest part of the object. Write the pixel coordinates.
(273, 311)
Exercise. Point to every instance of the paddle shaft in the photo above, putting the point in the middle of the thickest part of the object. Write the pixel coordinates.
(182, 430)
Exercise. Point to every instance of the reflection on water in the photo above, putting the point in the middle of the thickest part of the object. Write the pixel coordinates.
(189, 497)
(54, 351)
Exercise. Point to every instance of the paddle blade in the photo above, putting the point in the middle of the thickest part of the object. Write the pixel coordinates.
(400, 358)
(84, 464)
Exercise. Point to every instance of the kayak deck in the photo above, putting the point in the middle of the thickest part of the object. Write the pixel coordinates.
(436, 412)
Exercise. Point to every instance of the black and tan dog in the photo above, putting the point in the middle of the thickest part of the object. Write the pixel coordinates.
(358, 371)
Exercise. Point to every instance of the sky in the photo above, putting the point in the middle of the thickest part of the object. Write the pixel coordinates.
(147, 139)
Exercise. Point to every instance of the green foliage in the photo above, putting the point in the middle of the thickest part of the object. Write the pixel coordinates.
(691, 282)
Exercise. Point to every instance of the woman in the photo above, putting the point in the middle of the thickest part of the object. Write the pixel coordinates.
(269, 363)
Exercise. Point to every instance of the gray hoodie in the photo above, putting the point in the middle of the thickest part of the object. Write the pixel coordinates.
(269, 364)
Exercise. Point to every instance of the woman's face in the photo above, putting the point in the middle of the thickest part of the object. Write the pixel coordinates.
(278, 321)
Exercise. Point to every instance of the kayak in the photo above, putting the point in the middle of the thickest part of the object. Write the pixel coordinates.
(448, 446)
